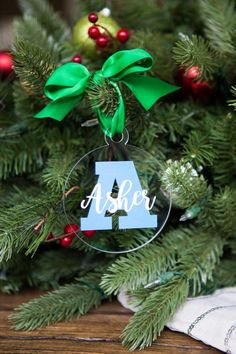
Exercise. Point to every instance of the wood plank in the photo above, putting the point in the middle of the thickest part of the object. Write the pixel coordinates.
(97, 332)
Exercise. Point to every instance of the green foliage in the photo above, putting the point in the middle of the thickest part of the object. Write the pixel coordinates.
(198, 149)
(223, 139)
(164, 65)
(33, 65)
(159, 307)
(196, 51)
(219, 212)
(196, 266)
(62, 304)
(17, 224)
(143, 266)
(185, 184)
(47, 18)
(29, 29)
(58, 167)
(224, 275)
(103, 96)
(219, 18)
(21, 155)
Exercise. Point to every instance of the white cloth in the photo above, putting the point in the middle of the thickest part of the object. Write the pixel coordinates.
(213, 318)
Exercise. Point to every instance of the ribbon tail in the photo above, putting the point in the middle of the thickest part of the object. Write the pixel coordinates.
(148, 89)
(115, 124)
(59, 109)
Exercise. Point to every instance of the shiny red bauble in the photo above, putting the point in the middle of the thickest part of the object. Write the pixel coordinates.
(66, 241)
(92, 17)
(89, 233)
(193, 73)
(102, 41)
(192, 86)
(122, 35)
(6, 63)
(71, 228)
(94, 32)
(77, 59)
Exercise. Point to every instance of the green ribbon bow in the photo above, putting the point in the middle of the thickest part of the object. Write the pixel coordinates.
(66, 87)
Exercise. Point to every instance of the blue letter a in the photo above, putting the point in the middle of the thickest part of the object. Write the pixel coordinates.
(138, 217)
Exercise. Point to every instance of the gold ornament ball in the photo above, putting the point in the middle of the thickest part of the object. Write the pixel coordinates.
(81, 38)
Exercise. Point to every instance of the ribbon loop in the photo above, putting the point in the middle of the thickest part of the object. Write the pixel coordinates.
(67, 86)
(124, 63)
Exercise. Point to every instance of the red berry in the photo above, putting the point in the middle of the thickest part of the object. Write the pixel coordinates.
(66, 241)
(102, 41)
(71, 228)
(89, 233)
(50, 236)
(77, 59)
(92, 17)
(122, 35)
(94, 32)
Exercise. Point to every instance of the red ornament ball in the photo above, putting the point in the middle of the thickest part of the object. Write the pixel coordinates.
(77, 59)
(122, 35)
(71, 228)
(192, 86)
(6, 63)
(193, 73)
(94, 32)
(66, 241)
(102, 41)
(92, 17)
(89, 233)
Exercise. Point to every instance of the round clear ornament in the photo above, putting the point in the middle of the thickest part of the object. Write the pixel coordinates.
(119, 206)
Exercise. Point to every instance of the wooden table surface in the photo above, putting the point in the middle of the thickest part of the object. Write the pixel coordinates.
(97, 332)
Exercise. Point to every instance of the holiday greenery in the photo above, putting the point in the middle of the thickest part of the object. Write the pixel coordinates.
(192, 132)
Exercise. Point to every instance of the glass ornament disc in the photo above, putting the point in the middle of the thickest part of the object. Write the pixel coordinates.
(119, 206)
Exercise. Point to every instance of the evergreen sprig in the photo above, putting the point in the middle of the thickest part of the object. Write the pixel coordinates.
(144, 266)
(219, 213)
(58, 168)
(196, 51)
(159, 307)
(223, 140)
(198, 149)
(219, 18)
(185, 184)
(196, 266)
(29, 29)
(17, 224)
(47, 18)
(33, 65)
(62, 304)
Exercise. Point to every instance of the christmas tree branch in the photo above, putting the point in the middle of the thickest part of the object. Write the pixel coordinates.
(196, 266)
(145, 265)
(219, 18)
(147, 324)
(196, 51)
(219, 212)
(33, 65)
(186, 185)
(29, 29)
(223, 140)
(47, 18)
(60, 305)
